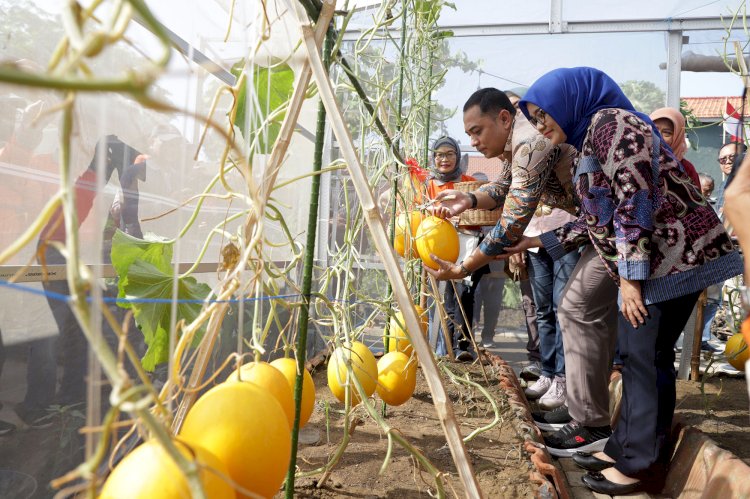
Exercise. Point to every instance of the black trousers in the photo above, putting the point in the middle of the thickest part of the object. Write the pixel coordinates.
(459, 328)
(648, 387)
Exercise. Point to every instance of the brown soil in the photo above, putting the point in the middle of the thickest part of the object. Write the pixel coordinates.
(500, 463)
(722, 413)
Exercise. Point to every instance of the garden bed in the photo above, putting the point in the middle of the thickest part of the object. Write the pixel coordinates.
(501, 463)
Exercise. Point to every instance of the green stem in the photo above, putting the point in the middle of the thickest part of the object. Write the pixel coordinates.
(392, 226)
(493, 403)
(304, 314)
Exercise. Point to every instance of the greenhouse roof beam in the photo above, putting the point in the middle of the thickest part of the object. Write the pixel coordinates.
(192, 53)
(555, 25)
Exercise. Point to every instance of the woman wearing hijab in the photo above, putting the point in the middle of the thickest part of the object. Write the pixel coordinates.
(446, 172)
(660, 241)
(671, 125)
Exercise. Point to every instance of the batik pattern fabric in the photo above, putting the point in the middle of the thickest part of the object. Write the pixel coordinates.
(643, 214)
(538, 172)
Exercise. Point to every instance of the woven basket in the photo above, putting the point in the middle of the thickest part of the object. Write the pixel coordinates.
(476, 217)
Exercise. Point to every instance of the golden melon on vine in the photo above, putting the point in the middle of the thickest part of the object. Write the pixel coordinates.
(288, 368)
(245, 428)
(398, 340)
(404, 236)
(397, 378)
(737, 351)
(270, 380)
(436, 236)
(149, 471)
(364, 367)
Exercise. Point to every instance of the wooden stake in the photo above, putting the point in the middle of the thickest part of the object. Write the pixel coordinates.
(443, 405)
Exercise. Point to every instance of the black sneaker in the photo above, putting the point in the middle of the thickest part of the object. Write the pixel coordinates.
(574, 437)
(464, 356)
(552, 420)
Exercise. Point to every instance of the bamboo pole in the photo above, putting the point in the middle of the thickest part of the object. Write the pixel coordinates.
(295, 104)
(312, 226)
(443, 405)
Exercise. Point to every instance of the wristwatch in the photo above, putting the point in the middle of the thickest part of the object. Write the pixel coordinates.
(473, 200)
(466, 272)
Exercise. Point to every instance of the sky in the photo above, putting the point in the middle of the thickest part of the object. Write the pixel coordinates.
(516, 61)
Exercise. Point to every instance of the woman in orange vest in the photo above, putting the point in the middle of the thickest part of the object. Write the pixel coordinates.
(445, 173)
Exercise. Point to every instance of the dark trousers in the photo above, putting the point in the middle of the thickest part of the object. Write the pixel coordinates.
(548, 278)
(458, 328)
(529, 312)
(69, 348)
(648, 386)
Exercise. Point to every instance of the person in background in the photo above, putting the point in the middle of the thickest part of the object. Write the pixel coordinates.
(447, 171)
(5, 426)
(736, 209)
(728, 157)
(637, 205)
(707, 187)
(533, 369)
(671, 125)
(513, 97)
(713, 292)
(489, 297)
(490, 294)
(548, 278)
(41, 382)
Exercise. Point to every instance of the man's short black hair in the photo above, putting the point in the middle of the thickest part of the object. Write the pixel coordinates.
(490, 100)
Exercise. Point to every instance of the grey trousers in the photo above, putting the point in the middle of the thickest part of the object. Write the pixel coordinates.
(489, 296)
(588, 318)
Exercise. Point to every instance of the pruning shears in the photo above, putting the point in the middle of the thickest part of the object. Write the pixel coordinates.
(431, 202)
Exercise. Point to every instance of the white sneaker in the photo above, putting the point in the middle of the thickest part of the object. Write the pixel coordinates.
(555, 396)
(539, 388)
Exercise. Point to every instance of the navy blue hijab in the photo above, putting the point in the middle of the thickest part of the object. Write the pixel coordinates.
(571, 96)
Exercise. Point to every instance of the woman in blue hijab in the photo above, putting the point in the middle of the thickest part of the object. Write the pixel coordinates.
(662, 244)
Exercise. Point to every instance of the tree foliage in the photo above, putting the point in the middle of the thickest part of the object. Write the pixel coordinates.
(645, 95)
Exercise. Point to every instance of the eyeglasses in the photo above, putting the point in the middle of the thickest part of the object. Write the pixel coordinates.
(728, 159)
(540, 117)
(444, 155)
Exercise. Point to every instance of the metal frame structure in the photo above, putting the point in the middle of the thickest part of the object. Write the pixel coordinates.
(674, 27)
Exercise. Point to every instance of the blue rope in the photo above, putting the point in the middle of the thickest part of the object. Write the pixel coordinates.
(67, 298)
